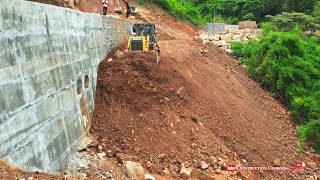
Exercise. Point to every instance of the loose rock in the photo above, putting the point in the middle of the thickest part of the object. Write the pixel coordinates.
(101, 155)
(86, 142)
(181, 92)
(134, 170)
(218, 171)
(110, 153)
(213, 160)
(149, 177)
(221, 39)
(204, 165)
(99, 149)
(121, 158)
(185, 172)
(277, 162)
(162, 156)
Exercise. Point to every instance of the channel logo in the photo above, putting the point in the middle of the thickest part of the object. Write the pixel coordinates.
(231, 169)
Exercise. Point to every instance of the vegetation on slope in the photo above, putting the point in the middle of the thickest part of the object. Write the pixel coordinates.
(232, 11)
(287, 63)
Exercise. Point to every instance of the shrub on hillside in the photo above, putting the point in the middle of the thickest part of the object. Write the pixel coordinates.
(244, 50)
(311, 132)
(288, 65)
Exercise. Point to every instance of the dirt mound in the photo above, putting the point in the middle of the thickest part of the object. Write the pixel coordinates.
(141, 108)
(197, 108)
(197, 105)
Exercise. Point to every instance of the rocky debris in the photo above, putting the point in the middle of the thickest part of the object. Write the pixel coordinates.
(203, 35)
(221, 43)
(213, 160)
(134, 170)
(204, 165)
(166, 172)
(115, 150)
(149, 177)
(121, 158)
(151, 167)
(221, 163)
(218, 171)
(166, 99)
(204, 51)
(108, 175)
(229, 51)
(101, 155)
(222, 39)
(277, 162)
(146, 124)
(99, 149)
(110, 153)
(181, 92)
(162, 156)
(85, 164)
(185, 172)
(88, 141)
(118, 54)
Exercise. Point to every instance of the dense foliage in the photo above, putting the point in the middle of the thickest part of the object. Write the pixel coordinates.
(288, 65)
(310, 131)
(232, 11)
(288, 21)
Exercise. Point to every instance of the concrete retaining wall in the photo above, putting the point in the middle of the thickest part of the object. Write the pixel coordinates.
(47, 55)
(214, 28)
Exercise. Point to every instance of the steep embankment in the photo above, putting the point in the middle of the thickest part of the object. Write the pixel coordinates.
(197, 105)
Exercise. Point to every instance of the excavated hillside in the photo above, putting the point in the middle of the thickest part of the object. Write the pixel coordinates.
(197, 108)
(196, 105)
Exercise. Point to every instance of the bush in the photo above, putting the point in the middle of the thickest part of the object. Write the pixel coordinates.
(182, 10)
(305, 108)
(244, 50)
(310, 132)
(288, 65)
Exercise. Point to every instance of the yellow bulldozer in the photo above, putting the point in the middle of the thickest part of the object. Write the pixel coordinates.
(143, 38)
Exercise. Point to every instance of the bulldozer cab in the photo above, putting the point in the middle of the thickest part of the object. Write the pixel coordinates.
(144, 38)
(145, 29)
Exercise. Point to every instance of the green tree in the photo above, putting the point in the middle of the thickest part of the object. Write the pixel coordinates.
(288, 21)
(316, 12)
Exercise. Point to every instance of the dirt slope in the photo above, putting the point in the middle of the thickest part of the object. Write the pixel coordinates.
(8, 172)
(197, 105)
(219, 112)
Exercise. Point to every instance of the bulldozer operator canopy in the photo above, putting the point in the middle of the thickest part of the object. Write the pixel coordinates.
(145, 29)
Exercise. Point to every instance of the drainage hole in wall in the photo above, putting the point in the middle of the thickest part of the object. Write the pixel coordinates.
(79, 86)
(86, 81)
